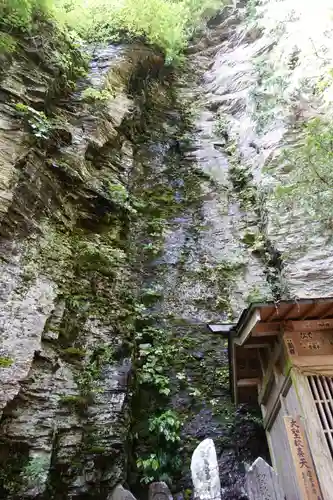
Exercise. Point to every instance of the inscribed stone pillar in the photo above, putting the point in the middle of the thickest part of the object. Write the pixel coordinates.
(205, 472)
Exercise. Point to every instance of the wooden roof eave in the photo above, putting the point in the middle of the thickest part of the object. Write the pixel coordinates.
(245, 332)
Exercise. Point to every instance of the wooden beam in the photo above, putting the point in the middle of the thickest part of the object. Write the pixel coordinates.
(276, 312)
(257, 345)
(248, 382)
(321, 365)
(327, 311)
(272, 314)
(259, 342)
(309, 325)
(308, 311)
(248, 327)
(234, 372)
(262, 329)
(269, 374)
(290, 309)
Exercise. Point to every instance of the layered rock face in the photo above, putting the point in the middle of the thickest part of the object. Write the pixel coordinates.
(67, 292)
(267, 74)
(134, 212)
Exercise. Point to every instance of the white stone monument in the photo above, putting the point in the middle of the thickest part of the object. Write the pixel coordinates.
(205, 472)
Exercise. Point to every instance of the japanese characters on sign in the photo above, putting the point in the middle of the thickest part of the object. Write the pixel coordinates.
(309, 343)
(305, 471)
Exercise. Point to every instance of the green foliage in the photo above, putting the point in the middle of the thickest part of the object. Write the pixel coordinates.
(165, 23)
(254, 240)
(152, 249)
(5, 362)
(90, 374)
(254, 417)
(92, 95)
(307, 176)
(76, 401)
(149, 467)
(221, 276)
(35, 472)
(256, 295)
(120, 196)
(74, 352)
(165, 429)
(268, 95)
(19, 14)
(158, 467)
(325, 82)
(38, 122)
(221, 125)
(166, 426)
(156, 359)
(251, 9)
(195, 392)
(95, 255)
(96, 450)
(7, 43)
(150, 296)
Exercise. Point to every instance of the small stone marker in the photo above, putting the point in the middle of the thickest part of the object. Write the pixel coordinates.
(262, 482)
(159, 491)
(205, 472)
(120, 493)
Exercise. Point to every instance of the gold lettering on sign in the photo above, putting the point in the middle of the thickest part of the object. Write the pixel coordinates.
(305, 471)
(309, 343)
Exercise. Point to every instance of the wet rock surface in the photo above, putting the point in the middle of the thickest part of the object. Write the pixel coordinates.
(68, 227)
(65, 356)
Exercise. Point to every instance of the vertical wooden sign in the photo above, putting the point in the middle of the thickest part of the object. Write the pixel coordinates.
(305, 471)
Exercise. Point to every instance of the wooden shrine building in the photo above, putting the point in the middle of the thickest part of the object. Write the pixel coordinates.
(282, 356)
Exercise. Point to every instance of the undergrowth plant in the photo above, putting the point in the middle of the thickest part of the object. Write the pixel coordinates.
(305, 181)
(35, 472)
(19, 14)
(165, 429)
(38, 122)
(167, 24)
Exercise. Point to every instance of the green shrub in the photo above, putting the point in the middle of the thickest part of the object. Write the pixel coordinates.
(38, 122)
(7, 43)
(35, 472)
(306, 175)
(161, 466)
(156, 360)
(92, 95)
(167, 24)
(5, 362)
(74, 352)
(166, 426)
(19, 14)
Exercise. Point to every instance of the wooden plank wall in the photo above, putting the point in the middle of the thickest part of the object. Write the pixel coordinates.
(317, 441)
(281, 456)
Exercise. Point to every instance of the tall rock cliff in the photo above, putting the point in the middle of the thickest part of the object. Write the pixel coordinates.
(67, 290)
(137, 206)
